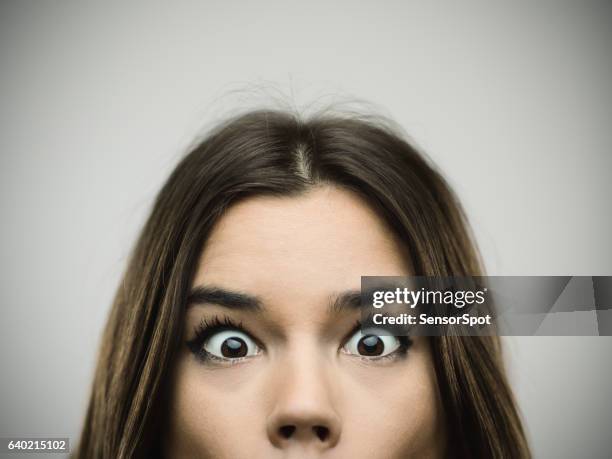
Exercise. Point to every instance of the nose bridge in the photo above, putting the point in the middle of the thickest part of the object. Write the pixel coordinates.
(303, 408)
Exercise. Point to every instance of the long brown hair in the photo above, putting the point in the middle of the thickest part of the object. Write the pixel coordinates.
(275, 152)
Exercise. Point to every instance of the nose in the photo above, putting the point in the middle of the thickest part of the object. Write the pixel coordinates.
(303, 410)
(304, 426)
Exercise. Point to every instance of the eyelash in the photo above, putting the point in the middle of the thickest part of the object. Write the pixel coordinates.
(205, 329)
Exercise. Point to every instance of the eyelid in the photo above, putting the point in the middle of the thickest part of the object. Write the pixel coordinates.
(218, 335)
(350, 334)
(404, 343)
(391, 344)
(208, 328)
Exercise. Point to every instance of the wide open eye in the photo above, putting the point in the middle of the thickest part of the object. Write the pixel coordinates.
(230, 344)
(372, 343)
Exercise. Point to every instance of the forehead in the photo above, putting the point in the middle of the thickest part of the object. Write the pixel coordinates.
(299, 248)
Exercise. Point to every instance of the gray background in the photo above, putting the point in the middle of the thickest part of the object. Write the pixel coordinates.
(99, 99)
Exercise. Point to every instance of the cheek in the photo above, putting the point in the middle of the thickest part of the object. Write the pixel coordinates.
(210, 411)
(396, 411)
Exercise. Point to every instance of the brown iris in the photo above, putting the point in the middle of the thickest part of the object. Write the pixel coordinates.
(234, 347)
(370, 345)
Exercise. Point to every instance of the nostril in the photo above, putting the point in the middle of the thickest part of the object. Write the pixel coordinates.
(322, 432)
(287, 431)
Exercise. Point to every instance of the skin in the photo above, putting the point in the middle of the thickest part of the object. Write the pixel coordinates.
(295, 253)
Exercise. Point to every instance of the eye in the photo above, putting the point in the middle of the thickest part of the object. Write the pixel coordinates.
(372, 343)
(230, 344)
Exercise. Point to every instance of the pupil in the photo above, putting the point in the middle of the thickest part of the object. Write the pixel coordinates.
(234, 347)
(370, 345)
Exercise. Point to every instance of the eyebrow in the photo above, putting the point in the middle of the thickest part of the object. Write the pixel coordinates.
(345, 301)
(351, 300)
(223, 297)
(340, 302)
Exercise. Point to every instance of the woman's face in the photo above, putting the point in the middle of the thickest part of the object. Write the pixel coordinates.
(274, 364)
